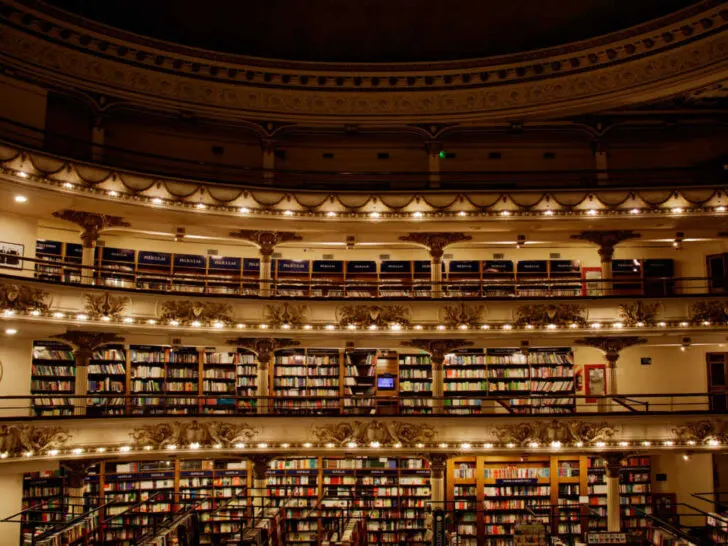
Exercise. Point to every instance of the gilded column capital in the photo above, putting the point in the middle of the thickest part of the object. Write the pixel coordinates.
(260, 464)
(266, 241)
(611, 346)
(606, 240)
(91, 223)
(84, 343)
(263, 347)
(614, 463)
(435, 242)
(438, 462)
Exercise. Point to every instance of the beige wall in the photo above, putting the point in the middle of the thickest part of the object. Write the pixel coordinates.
(15, 357)
(684, 477)
(11, 502)
(20, 230)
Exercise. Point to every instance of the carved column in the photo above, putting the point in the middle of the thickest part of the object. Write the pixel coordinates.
(263, 349)
(433, 147)
(435, 243)
(611, 347)
(83, 344)
(606, 240)
(260, 465)
(266, 242)
(614, 464)
(75, 474)
(91, 225)
(438, 464)
(268, 147)
(438, 349)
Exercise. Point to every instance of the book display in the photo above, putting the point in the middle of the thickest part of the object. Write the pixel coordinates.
(415, 384)
(227, 378)
(224, 275)
(53, 373)
(183, 377)
(116, 267)
(327, 278)
(292, 277)
(51, 253)
(306, 380)
(360, 380)
(45, 492)
(396, 279)
(189, 272)
(294, 484)
(107, 376)
(361, 279)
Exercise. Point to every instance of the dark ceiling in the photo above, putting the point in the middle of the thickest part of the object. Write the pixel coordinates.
(372, 30)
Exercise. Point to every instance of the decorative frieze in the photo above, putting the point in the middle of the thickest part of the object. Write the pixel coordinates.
(17, 440)
(713, 312)
(194, 311)
(290, 314)
(366, 316)
(702, 432)
(91, 223)
(183, 434)
(611, 346)
(463, 315)
(98, 306)
(23, 298)
(382, 432)
(606, 240)
(84, 343)
(558, 314)
(638, 312)
(536, 432)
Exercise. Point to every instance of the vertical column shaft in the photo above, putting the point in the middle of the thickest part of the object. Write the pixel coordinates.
(433, 162)
(82, 356)
(263, 384)
(438, 383)
(265, 274)
(614, 523)
(436, 276)
(268, 148)
(605, 256)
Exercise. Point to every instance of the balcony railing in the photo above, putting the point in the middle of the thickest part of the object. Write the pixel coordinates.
(184, 404)
(211, 284)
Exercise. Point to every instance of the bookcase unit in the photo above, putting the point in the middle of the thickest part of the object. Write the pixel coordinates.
(499, 278)
(107, 375)
(52, 253)
(327, 278)
(189, 273)
(415, 384)
(634, 492)
(225, 376)
(360, 380)
(390, 493)
(116, 266)
(53, 373)
(465, 374)
(396, 278)
(306, 380)
(361, 279)
(463, 279)
(224, 275)
(293, 277)
(45, 491)
(146, 378)
(153, 270)
(294, 483)
(183, 377)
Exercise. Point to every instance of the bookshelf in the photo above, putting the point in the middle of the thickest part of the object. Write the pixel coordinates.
(463, 278)
(117, 266)
(569, 474)
(46, 491)
(107, 375)
(251, 276)
(311, 374)
(293, 277)
(634, 492)
(532, 278)
(224, 275)
(359, 380)
(422, 278)
(219, 382)
(72, 259)
(153, 270)
(499, 278)
(247, 381)
(390, 493)
(396, 278)
(51, 252)
(415, 384)
(327, 278)
(567, 273)
(190, 273)
(627, 277)
(361, 279)
(465, 374)
(183, 377)
(146, 378)
(294, 483)
(53, 372)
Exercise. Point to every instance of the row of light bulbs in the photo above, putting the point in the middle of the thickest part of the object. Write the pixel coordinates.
(375, 215)
(462, 446)
(83, 317)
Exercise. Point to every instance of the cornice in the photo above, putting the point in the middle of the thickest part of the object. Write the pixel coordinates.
(672, 55)
(35, 169)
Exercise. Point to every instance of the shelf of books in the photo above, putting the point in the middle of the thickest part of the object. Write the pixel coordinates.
(224, 275)
(116, 266)
(570, 482)
(51, 253)
(396, 279)
(359, 380)
(390, 493)
(327, 278)
(190, 271)
(227, 378)
(53, 373)
(415, 384)
(293, 483)
(546, 375)
(183, 377)
(107, 376)
(147, 375)
(44, 491)
(463, 279)
(634, 492)
(292, 277)
(306, 380)
(361, 279)
(717, 526)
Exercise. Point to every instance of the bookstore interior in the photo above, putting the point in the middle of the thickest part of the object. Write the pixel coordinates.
(413, 292)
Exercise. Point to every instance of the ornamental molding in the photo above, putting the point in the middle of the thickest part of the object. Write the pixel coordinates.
(85, 342)
(523, 434)
(292, 314)
(23, 298)
(95, 181)
(639, 312)
(463, 315)
(187, 312)
(263, 347)
(680, 52)
(544, 314)
(266, 241)
(179, 433)
(384, 432)
(98, 306)
(91, 223)
(438, 348)
(702, 432)
(715, 312)
(606, 240)
(611, 346)
(16, 440)
(367, 316)
(435, 242)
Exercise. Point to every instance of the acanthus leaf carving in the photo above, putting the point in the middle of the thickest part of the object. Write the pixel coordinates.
(266, 241)
(543, 314)
(539, 432)
(366, 315)
(702, 432)
(715, 312)
(360, 432)
(637, 312)
(263, 347)
(23, 298)
(189, 311)
(288, 313)
(162, 435)
(18, 439)
(457, 316)
(105, 305)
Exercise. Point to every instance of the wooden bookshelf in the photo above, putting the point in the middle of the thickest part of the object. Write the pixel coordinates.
(189, 273)
(147, 378)
(107, 373)
(154, 270)
(117, 267)
(422, 278)
(532, 278)
(565, 277)
(182, 377)
(360, 380)
(45, 491)
(53, 373)
(463, 279)
(361, 279)
(395, 277)
(327, 278)
(415, 384)
(51, 252)
(465, 374)
(251, 276)
(224, 275)
(293, 278)
(499, 278)
(294, 483)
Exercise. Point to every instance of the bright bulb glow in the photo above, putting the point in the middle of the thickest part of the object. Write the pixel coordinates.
(510, 445)
(307, 326)
(331, 214)
(106, 318)
(243, 210)
(375, 445)
(713, 443)
(463, 327)
(488, 446)
(462, 213)
(28, 454)
(573, 325)
(634, 211)
(22, 174)
(683, 324)
(308, 445)
(263, 326)
(397, 445)
(10, 331)
(533, 444)
(706, 323)
(591, 212)
(420, 446)
(640, 324)
(617, 325)
(691, 442)
(374, 215)
(58, 315)
(77, 451)
(174, 323)
(556, 444)
(601, 444)
(418, 326)
(171, 447)
(677, 210)
(81, 316)
(147, 448)
(417, 214)
(157, 201)
(200, 206)
(505, 213)
(262, 445)
(53, 452)
(68, 185)
(465, 446)
(219, 325)
(330, 445)
(529, 326)
(196, 324)
(373, 327)
(151, 321)
(113, 193)
(443, 445)
(330, 327)
(669, 443)
(240, 445)
(396, 326)
(623, 444)
(548, 212)
(288, 212)
(4, 455)
(484, 327)
(720, 209)
(551, 326)
(100, 450)
(128, 320)
(579, 444)
(217, 446)
(125, 449)
(194, 445)
(35, 313)
(507, 327)
(596, 325)
(662, 324)
(286, 326)
(286, 445)
(351, 445)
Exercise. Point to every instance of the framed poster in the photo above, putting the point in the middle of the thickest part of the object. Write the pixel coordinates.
(591, 285)
(596, 381)
(11, 254)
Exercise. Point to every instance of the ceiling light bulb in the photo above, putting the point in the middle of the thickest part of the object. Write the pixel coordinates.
(194, 445)
(579, 444)
(596, 325)
(21, 199)
(151, 321)
(58, 315)
(418, 326)
(68, 185)
(286, 326)
(397, 445)
(174, 323)
(548, 212)
(81, 316)
(263, 326)
(417, 214)
(331, 214)
(100, 450)
(601, 444)
(147, 448)
(128, 320)
(623, 444)
(465, 446)
(591, 212)
(443, 445)
(157, 201)
(634, 211)
(488, 446)
(113, 193)
(507, 327)
(288, 212)
(262, 445)
(556, 444)
(219, 325)
(374, 215)
(240, 445)
(330, 327)
(11, 331)
(53, 452)
(125, 449)
(462, 213)
(77, 450)
(200, 206)
(35, 313)
(375, 445)
(22, 174)
(285, 445)
(677, 210)
(307, 326)
(669, 443)
(106, 318)
(551, 326)
(307, 445)
(506, 213)
(217, 446)
(720, 209)
(243, 210)
(171, 447)
(196, 324)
